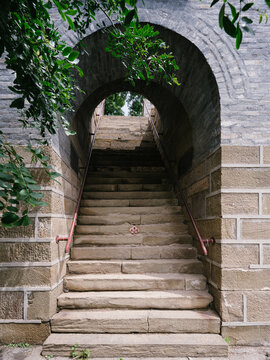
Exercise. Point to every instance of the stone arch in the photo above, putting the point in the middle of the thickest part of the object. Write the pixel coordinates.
(190, 113)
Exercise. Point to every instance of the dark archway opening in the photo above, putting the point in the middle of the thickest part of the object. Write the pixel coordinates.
(189, 114)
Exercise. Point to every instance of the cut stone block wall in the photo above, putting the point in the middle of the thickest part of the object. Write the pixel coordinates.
(32, 264)
(229, 194)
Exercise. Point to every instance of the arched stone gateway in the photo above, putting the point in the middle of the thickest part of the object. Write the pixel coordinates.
(217, 133)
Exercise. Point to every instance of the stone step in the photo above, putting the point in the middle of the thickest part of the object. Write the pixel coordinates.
(123, 134)
(127, 202)
(127, 160)
(125, 155)
(137, 345)
(134, 282)
(170, 299)
(114, 219)
(133, 252)
(136, 321)
(188, 266)
(138, 172)
(128, 239)
(126, 180)
(123, 144)
(166, 210)
(127, 187)
(171, 228)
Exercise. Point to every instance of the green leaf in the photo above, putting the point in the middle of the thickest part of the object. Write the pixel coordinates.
(71, 12)
(3, 195)
(9, 218)
(6, 177)
(229, 27)
(248, 29)
(79, 70)
(18, 103)
(26, 220)
(221, 15)
(247, 20)
(12, 209)
(73, 55)
(233, 10)
(36, 195)
(267, 3)
(239, 36)
(14, 201)
(70, 23)
(130, 15)
(247, 6)
(34, 187)
(214, 2)
(67, 50)
(1, 205)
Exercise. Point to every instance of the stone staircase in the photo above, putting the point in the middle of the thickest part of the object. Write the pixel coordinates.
(133, 296)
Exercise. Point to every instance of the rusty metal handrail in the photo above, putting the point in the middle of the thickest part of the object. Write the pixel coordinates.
(179, 190)
(75, 216)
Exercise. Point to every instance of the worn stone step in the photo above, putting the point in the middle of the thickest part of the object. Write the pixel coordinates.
(188, 266)
(127, 180)
(114, 219)
(141, 172)
(138, 345)
(106, 155)
(128, 239)
(170, 299)
(127, 187)
(123, 144)
(136, 321)
(94, 211)
(134, 282)
(121, 135)
(133, 252)
(127, 202)
(170, 228)
(127, 162)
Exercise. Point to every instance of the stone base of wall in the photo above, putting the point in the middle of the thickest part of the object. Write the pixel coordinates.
(249, 335)
(27, 333)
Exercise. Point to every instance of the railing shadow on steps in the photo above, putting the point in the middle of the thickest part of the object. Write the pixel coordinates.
(75, 216)
(181, 198)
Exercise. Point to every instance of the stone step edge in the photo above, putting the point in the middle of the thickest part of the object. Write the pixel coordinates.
(143, 345)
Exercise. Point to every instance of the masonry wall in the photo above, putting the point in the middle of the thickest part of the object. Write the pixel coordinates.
(32, 263)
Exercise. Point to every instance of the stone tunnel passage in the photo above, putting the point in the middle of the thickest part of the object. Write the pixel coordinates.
(189, 113)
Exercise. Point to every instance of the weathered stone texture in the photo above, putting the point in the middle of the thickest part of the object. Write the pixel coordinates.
(216, 180)
(258, 305)
(20, 252)
(18, 231)
(219, 228)
(266, 204)
(42, 305)
(247, 335)
(245, 178)
(266, 154)
(237, 204)
(28, 276)
(256, 229)
(240, 154)
(241, 279)
(11, 305)
(24, 333)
